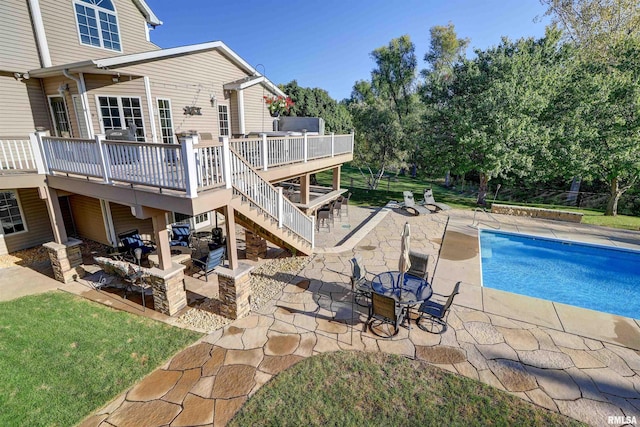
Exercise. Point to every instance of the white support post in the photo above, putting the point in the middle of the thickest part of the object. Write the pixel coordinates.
(280, 206)
(333, 144)
(104, 158)
(189, 162)
(36, 146)
(306, 145)
(313, 231)
(353, 138)
(226, 161)
(265, 153)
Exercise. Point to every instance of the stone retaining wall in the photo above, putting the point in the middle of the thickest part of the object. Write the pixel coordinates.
(536, 212)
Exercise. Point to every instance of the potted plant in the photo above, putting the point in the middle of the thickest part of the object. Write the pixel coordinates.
(278, 104)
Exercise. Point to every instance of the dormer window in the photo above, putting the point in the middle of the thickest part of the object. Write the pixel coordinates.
(98, 24)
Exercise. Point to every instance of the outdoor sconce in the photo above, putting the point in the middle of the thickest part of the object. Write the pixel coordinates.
(213, 100)
(192, 111)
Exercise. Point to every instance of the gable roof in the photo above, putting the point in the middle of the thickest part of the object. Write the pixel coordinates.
(151, 17)
(104, 65)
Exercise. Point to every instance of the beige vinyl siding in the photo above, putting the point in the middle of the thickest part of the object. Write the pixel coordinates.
(22, 107)
(256, 113)
(233, 113)
(36, 217)
(123, 220)
(191, 80)
(87, 215)
(62, 32)
(18, 51)
(102, 85)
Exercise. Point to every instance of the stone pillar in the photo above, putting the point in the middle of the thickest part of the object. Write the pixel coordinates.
(256, 246)
(169, 295)
(66, 259)
(235, 291)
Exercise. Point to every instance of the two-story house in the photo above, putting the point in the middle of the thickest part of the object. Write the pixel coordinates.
(76, 70)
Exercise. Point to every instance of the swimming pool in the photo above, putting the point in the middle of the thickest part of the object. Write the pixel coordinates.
(590, 276)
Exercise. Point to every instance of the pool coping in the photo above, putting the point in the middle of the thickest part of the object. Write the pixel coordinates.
(459, 260)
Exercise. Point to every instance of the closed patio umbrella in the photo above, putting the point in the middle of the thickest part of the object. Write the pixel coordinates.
(404, 263)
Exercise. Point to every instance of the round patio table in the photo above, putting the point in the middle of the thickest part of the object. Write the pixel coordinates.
(414, 290)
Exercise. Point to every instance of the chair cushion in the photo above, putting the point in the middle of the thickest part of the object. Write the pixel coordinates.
(178, 243)
(432, 308)
(134, 241)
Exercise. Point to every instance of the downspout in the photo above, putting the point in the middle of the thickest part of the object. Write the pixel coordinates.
(82, 91)
(240, 96)
(147, 89)
(41, 37)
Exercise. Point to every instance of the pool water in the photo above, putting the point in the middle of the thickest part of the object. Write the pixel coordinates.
(590, 276)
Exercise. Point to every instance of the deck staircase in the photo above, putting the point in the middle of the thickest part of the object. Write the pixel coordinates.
(262, 209)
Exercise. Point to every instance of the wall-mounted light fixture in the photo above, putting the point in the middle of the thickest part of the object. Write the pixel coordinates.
(21, 76)
(115, 78)
(213, 100)
(192, 111)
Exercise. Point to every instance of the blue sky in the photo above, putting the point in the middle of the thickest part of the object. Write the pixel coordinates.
(326, 44)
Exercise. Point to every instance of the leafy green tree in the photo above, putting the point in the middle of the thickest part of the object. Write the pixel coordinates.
(597, 127)
(598, 114)
(385, 110)
(317, 103)
(446, 51)
(496, 106)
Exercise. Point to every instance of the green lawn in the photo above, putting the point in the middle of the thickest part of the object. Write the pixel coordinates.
(374, 389)
(62, 357)
(392, 188)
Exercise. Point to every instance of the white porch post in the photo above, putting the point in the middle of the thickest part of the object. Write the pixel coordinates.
(333, 144)
(280, 207)
(265, 154)
(313, 231)
(105, 161)
(240, 96)
(306, 145)
(189, 161)
(226, 161)
(38, 151)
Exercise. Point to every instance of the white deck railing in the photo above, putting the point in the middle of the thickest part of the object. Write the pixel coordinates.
(263, 153)
(17, 155)
(187, 167)
(154, 165)
(269, 200)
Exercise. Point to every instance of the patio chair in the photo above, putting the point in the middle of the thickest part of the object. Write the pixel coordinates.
(345, 203)
(337, 209)
(323, 216)
(430, 201)
(208, 263)
(360, 285)
(180, 235)
(419, 264)
(385, 310)
(131, 240)
(411, 206)
(436, 312)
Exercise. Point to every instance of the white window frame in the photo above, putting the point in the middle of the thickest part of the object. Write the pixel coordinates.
(98, 9)
(225, 105)
(22, 217)
(172, 133)
(123, 119)
(53, 115)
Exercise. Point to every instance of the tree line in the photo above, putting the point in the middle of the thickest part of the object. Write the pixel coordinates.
(561, 108)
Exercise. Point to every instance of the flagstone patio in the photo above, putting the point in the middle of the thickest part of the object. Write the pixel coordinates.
(582, 373)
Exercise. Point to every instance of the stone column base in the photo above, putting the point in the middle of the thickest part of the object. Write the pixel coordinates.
(256, 246)
(235, 291)
(66, 259)
(169, 295)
